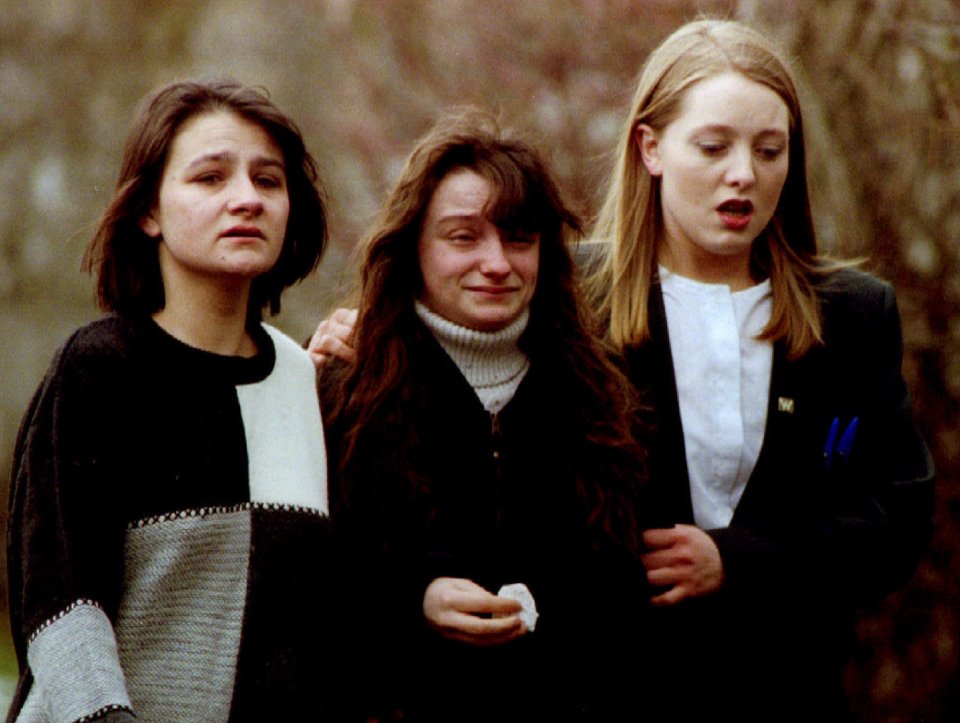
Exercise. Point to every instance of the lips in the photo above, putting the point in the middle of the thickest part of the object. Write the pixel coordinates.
(495, 290)
(735, 214)
(243, 232)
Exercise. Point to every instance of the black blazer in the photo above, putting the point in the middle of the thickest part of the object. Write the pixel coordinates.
(805, 543)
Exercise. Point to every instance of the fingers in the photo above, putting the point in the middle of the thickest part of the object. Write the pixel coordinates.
(482, 631)
(460, 609)
(465, 596)
(684, 559)
(670, 597)
(333, 338)
(664, 558)
(658, 538)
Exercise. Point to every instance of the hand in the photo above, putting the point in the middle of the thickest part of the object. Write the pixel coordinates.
(334, 338)
(683, 558)
(453, 607)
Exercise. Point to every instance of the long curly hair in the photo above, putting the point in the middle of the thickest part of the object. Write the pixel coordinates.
(369, 398)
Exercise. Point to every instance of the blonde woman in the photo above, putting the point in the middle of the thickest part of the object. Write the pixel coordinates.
(790, 480)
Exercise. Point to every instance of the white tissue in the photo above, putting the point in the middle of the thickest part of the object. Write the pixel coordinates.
(521, 593)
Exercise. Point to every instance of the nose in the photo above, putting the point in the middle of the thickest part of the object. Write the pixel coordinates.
(245, 197)
(740, 173)
(493, 261)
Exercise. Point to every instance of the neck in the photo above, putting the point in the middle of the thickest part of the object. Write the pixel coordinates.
(213, 320)
(732, 271)
(491, 362)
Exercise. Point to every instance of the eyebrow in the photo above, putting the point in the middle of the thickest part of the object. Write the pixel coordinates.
(459, 218)
(719, 127)
(221, 156)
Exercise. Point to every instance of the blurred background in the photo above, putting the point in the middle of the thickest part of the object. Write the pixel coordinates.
(880, 81)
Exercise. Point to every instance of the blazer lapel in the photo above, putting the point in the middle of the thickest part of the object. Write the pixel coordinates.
(651, 370)
(651, 364)
(781, 441)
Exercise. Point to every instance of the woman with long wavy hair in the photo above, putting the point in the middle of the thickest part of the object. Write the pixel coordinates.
(482, 439)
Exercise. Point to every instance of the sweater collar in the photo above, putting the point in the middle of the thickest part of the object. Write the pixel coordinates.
(492, 362)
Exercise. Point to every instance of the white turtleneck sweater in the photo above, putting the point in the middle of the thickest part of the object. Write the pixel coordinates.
(491, 362)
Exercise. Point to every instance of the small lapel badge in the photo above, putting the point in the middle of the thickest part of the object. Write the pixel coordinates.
(785, 405)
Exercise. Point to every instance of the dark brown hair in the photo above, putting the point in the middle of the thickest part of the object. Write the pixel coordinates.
(375, 391)
(125, 259)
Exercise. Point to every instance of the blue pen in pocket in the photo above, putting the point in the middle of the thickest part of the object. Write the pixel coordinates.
(839, 450)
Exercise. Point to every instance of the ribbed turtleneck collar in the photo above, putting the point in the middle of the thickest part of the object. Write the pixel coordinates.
(491, 362)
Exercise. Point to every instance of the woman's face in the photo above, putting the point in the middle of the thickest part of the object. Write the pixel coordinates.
(222, 207)
(474, 273)
(722, 163)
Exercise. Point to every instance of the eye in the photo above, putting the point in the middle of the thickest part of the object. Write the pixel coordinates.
(770, 153)
(266, 180)
(523, 238)
(208, 178)
(462, 236)
(711, 148)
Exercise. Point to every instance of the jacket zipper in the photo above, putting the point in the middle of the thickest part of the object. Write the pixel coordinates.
(495, 437)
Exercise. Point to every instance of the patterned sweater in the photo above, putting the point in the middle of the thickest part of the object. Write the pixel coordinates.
(168, 526)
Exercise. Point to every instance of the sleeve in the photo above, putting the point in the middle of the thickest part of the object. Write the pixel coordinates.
(863, 530)
(65, 549)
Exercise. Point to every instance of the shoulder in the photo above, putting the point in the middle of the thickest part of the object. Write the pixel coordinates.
(292, 375)
(94, 355)
(290, 355)
(853, 298)
(108, 338)
(85, 378)
(860, 316)
(853, 287)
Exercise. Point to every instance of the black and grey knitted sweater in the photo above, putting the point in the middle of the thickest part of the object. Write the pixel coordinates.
(168, 525)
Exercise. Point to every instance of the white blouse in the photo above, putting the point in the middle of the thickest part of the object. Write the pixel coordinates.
(723, 385)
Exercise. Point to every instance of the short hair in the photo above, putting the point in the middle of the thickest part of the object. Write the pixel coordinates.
(125, 260)
(631, 218)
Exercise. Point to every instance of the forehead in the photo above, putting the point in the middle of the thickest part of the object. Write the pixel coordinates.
(222, 132)
(462, 192)
(733, 100)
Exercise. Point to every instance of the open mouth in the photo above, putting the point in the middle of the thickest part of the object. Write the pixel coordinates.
(735, 214)
(736, 207)
(242, 232)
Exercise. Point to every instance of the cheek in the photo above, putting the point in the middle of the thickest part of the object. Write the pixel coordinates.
(527, 267)
(773, 183)
(283, 212)
(681, 193)
(435, 268)
(180, 211)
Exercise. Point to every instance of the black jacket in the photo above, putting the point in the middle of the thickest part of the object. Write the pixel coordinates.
(806, 544)
(496, 502)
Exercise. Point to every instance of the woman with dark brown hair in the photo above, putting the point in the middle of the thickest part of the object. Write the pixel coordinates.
(168, 512)
(482, 440)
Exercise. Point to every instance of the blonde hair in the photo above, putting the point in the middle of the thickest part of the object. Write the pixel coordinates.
(630, 223)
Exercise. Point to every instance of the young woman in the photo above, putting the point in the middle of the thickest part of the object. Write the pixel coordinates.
(168, 508)
(482, 440)
(790, 480)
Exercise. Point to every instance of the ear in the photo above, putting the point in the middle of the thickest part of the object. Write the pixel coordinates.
(149, 225)
(648, 142)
